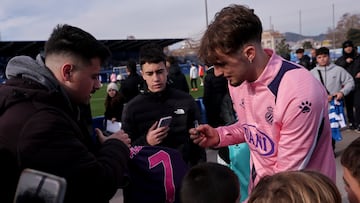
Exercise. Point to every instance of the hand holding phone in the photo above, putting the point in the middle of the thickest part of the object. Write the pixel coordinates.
(164, 121)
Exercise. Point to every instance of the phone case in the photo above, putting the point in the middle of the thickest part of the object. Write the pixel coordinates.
(34, 184)
(164, 121)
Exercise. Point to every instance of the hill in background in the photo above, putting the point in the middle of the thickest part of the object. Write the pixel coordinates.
(294, 37)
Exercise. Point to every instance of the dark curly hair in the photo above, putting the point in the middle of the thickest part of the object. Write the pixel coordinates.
(233, 27)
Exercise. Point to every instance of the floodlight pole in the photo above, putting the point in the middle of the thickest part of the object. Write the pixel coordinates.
(206, 13)
(333, 19)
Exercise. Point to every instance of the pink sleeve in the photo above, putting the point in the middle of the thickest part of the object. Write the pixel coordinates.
(298, 129)
(230, 135)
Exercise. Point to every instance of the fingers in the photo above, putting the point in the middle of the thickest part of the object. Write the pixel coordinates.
(158, 138)
(154, 126)
(100, 135)
(193, 132)
(127, 141)
(197, 138)
(120, 135)
(161, 137)
(124, 137)
(156, 135)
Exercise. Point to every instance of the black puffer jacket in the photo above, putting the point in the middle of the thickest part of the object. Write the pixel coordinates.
(305, 61)
(130, 87)
(341, 61)
(176, 79)
(42, 130)
(353, 67)
(145, 109)
(215, 89)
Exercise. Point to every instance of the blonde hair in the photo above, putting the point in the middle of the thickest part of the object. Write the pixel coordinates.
(295, 187)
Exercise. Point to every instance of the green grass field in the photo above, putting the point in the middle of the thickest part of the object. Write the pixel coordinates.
(98, 99)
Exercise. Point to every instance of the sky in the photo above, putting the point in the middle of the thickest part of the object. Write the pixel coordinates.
(30, 20)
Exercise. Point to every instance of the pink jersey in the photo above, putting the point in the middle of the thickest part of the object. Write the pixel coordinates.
(283, 116)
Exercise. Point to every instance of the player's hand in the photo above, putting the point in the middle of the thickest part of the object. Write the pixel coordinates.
(119, 135)
(204, 136)
(156, 135)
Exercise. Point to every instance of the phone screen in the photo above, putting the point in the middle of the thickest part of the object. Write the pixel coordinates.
(164, 121)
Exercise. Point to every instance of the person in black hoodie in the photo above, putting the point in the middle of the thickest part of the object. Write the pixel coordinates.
(350, 60)
(132, 85)
(313, 58)
(176, 79)
(304, 59)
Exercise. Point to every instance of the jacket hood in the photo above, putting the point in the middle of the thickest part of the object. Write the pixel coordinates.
(352, 54)
(26, 67)
(35, 75)
(322, 68)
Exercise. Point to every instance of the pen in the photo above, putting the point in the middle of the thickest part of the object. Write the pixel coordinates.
(196, 124)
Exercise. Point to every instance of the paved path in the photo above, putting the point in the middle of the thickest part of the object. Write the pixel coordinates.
(348, 137)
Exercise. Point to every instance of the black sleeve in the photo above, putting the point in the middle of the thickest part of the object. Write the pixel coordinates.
(341, 62)
(57, 147)
(197, 153)
(131, 128)
(207, 91)
(185, 85)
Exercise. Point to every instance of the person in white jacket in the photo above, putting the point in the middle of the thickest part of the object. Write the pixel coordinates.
(193, 77)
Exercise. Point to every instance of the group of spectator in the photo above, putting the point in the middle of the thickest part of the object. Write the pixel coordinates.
(45, 104)
(341, 80)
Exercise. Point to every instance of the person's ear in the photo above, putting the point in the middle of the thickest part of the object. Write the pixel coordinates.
(66, 71)
(142, 74)
(249, 52)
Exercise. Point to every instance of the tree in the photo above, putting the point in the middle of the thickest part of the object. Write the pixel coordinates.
(346, 22)
(283, 49)
(354, 35)
(307, 45)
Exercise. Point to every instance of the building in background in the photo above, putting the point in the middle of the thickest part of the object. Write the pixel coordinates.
(271, 38)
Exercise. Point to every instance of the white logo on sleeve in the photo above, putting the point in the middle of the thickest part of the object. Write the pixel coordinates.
(179, 111)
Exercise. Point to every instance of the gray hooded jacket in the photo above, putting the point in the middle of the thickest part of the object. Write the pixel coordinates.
(335, 78)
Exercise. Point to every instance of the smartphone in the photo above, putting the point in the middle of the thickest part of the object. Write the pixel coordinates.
(164, 121)
(36, 185)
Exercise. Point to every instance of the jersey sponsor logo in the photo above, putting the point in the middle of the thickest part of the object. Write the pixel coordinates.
(263, 143)
(305, 107)
(269, 115)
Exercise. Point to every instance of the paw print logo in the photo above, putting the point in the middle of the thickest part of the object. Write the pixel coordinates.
(305, 107)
